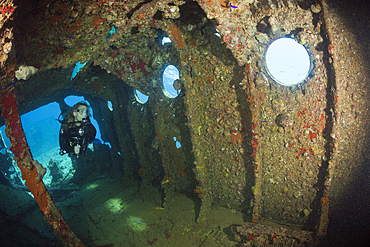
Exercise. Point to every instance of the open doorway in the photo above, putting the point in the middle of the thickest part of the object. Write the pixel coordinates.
(41, 127)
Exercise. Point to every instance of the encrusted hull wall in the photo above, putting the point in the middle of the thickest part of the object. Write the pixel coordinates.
(325, 137)
(290, 123)
(177, 174)
(218, 131)
(148, 167)
(350, 160)
(290, 159)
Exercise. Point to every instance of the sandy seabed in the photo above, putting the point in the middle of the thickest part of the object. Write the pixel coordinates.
(106, 213)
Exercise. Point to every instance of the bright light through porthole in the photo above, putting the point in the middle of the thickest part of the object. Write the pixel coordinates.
(140, 97)
(170, 75)
(287, 61)
(166, 40)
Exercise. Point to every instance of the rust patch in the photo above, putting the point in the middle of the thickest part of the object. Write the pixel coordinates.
(176, 35)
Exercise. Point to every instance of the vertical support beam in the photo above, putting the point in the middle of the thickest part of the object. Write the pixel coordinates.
(31, 168)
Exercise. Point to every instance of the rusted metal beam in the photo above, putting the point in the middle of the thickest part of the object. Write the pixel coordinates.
(32, 171)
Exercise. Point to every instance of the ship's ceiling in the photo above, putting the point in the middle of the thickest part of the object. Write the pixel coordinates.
(57, 34)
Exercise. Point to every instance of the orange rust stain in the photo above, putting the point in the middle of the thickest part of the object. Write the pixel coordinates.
(312, 135)
(76, 26)
(199, 191)
(254, 143)
(97, 21)
(193, 42)
(159, 135)
(324, 200)
(247, 67)
(176, 34)
(224, 4)
(321, 126)
(38, 189)
(236, 138)
(255, 218)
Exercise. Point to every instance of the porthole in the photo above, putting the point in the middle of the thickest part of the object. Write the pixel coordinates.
(110, 105)
(287, 62)
(140, 97)
(171, 84)
(166, 40)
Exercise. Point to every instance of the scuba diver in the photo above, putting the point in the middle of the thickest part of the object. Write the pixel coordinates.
(76, 132)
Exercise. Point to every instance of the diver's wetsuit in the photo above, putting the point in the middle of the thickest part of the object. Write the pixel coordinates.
(83, 135)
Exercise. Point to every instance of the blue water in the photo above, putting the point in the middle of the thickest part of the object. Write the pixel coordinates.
(170, 74)
(77, 68)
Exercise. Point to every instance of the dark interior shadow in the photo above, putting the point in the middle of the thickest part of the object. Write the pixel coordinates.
(349, 221)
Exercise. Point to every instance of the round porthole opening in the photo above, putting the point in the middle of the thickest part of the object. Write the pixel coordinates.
(171, 83)
(287, 62)
(140, 97)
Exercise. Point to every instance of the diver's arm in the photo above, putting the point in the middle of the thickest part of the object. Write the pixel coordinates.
(63, 144)
(91, 133)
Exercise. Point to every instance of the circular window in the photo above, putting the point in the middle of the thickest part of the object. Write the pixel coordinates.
(140, 97)
(170, 82)
(287, 61)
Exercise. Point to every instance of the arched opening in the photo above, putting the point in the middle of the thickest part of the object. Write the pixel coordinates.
(41, 127)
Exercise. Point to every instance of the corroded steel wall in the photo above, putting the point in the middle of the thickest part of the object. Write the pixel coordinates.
(290, 158)
(290, 123)
(218, 118)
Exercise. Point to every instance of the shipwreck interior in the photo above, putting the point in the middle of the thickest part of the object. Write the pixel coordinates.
(220, 122)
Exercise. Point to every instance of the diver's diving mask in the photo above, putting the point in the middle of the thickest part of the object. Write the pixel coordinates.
(83, 111)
